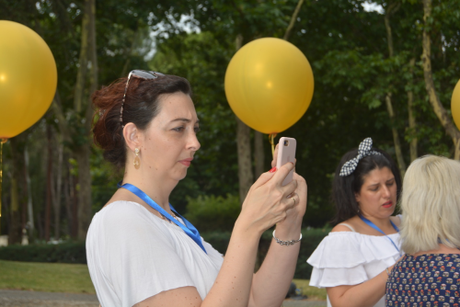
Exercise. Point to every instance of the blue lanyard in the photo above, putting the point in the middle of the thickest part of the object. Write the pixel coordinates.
(379, 230)
(188, 228)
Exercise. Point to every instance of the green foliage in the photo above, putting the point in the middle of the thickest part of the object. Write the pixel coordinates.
(213, 213)
(311, 237)
(71, 252)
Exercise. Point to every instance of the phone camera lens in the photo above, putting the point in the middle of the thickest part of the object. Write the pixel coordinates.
(286, 142)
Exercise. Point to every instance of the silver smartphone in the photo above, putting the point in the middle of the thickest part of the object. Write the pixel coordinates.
(286, 153)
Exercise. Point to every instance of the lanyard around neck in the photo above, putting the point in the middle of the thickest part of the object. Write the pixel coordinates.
(379, 230)
(188, 228)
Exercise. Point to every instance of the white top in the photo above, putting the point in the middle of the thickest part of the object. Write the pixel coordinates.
(350, 258)
(133, 254)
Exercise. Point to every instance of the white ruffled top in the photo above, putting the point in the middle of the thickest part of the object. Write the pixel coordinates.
(350, 258)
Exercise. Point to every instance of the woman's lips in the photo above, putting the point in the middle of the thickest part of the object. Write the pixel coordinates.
(186, 162)
(388, 204)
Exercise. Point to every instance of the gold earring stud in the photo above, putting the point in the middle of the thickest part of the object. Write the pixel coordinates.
(137, 161)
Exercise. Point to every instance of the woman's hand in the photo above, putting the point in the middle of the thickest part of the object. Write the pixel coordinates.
(295, 215)
(269, 203)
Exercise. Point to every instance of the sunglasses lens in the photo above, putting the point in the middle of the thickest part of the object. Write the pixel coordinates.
(145, 74)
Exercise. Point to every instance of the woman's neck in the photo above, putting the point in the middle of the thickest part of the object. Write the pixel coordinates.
(157, 189)
(383, 224)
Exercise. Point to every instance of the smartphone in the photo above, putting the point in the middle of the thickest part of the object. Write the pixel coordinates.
(286, 153)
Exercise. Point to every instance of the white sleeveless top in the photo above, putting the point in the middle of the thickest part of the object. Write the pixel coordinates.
(351, 258)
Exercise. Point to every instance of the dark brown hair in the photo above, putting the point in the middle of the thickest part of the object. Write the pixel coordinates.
(344, 188)
(140, 107)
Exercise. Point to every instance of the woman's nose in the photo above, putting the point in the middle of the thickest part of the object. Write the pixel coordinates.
(193, 144)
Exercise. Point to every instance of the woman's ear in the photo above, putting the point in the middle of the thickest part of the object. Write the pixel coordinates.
(132, 136)
(357, 197)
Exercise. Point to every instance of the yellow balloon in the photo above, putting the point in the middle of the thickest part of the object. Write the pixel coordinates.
(269, 84)
(455, 105)
(28, 78)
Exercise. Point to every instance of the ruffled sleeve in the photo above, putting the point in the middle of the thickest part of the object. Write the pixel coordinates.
(349, 258)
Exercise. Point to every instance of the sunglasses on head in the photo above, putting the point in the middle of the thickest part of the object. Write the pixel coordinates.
(141, 74)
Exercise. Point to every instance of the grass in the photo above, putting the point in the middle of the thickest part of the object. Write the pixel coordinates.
(47, 277)
(74, 278)
(311, 292)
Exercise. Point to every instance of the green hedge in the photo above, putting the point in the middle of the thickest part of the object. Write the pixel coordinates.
(213, 213)
(310, 240)
(70, 252)
(74, 252)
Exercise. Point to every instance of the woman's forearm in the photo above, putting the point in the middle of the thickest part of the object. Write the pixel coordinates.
(272, 281)
(233, 283)
(366, 294)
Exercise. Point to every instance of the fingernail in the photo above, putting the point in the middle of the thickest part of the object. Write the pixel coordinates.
(273, 170)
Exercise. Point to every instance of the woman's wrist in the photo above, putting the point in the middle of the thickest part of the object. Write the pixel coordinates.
(288, 232)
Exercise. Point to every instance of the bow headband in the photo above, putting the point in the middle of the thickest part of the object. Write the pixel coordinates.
(364, 150)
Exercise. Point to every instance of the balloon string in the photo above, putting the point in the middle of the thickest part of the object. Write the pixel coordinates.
(271, 138)
(3, 141)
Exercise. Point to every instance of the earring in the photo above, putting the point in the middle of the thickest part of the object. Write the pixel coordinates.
(137, 161)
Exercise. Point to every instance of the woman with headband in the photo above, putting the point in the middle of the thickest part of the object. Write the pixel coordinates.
(142, 252)
(353, 262)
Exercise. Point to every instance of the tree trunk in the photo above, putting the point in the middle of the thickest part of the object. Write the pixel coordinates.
(259, 155)
(57, 187)
(49, 183)
(83, 153)
(15, 225)
(412, 120)
(30, 210)
(243, 139)
(392, 8)
(439, 110)
(17, 145)
(245, 175)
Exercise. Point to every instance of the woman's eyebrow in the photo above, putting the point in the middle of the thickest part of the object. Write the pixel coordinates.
(186, 120)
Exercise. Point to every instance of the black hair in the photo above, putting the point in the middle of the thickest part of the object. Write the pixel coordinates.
(344, 188)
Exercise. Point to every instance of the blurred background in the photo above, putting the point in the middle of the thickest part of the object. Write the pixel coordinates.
(382, 69)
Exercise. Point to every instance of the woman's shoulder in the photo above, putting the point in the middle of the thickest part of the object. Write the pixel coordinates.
(349, 225)
(122, 213)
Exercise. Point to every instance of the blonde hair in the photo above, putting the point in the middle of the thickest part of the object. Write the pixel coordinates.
(430, 204)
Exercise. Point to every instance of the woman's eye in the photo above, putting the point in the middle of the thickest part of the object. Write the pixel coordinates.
(179, 129)
(197, 129)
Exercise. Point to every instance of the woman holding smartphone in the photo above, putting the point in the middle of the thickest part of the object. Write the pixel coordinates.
(140, 251)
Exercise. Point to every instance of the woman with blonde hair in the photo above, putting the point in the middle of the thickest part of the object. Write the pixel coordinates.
(428, 275)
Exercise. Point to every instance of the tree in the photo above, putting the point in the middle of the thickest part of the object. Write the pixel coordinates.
(438, 108)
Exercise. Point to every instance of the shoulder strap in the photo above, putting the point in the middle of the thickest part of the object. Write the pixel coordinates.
(352, 229)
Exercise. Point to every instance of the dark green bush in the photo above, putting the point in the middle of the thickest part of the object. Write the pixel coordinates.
(310, 240)
(70, 252)
(211, 213)
(74, 252)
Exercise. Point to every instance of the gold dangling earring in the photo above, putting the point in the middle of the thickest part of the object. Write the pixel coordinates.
(137, 161)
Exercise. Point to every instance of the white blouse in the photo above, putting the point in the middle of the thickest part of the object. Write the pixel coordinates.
(133, 254)
(350, 258)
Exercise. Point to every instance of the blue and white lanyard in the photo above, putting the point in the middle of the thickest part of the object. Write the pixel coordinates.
(379, 230)
(188, 228)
